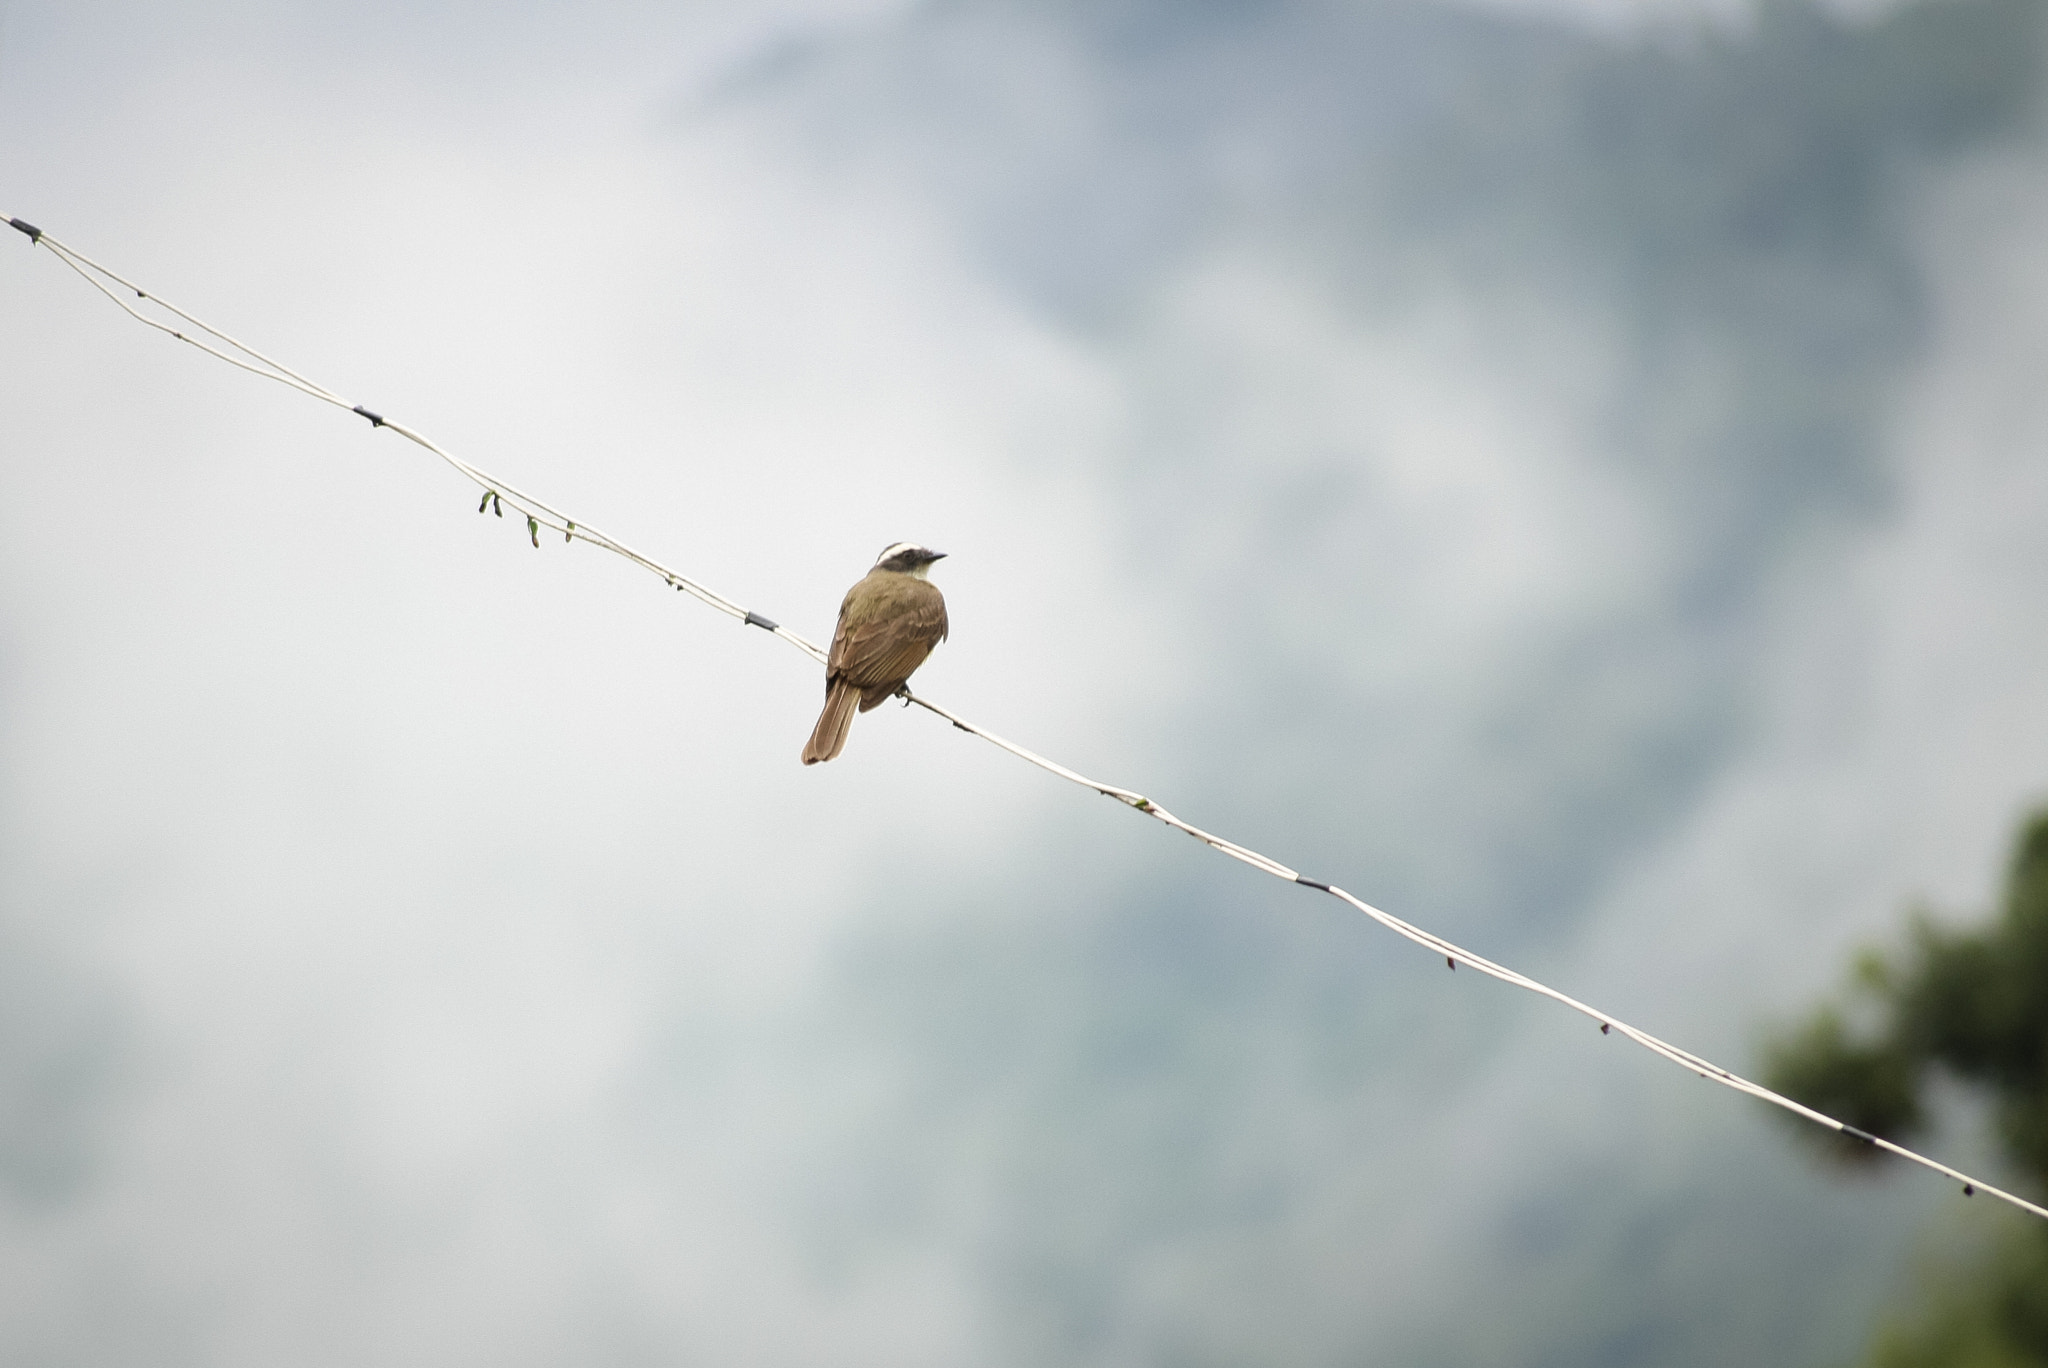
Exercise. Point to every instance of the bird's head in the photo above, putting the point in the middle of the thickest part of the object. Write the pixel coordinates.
(908, 558)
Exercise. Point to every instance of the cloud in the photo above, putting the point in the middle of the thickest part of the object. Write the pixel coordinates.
(1367, 429)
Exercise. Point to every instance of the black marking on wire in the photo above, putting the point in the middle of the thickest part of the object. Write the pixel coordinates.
(754, 619)
(376, 419)
(35, 234)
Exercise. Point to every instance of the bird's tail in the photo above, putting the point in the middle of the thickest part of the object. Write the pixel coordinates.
(828, 738)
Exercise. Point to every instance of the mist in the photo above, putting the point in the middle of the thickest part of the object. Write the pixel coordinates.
(1569, 474)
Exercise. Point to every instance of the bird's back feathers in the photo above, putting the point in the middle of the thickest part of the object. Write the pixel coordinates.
(888, 624)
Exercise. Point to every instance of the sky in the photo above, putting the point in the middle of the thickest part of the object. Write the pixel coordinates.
(1569, 473)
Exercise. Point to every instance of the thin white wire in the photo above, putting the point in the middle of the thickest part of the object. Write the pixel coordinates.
(540, 514)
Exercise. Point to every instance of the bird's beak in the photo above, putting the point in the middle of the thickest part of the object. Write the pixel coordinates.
(933, 556)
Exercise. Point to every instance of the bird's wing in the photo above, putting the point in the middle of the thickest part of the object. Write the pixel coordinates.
(891, 635)
(835, 659)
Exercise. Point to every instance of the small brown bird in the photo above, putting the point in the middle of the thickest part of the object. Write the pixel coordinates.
(887, 626)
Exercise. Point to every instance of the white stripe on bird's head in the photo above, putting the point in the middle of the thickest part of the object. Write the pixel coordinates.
(907, 558)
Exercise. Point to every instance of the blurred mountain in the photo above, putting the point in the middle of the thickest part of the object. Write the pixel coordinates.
(1491, 381)
(1577, 487)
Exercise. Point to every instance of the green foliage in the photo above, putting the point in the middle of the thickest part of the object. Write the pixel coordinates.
(1974, 1004)
(1991, 1314)
(1868, 1084)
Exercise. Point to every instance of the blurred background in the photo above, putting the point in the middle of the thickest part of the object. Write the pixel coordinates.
(1570, 471)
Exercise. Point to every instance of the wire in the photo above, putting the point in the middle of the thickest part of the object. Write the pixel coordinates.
(540, 514)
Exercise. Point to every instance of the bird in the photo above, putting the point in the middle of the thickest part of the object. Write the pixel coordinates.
(888, 624)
